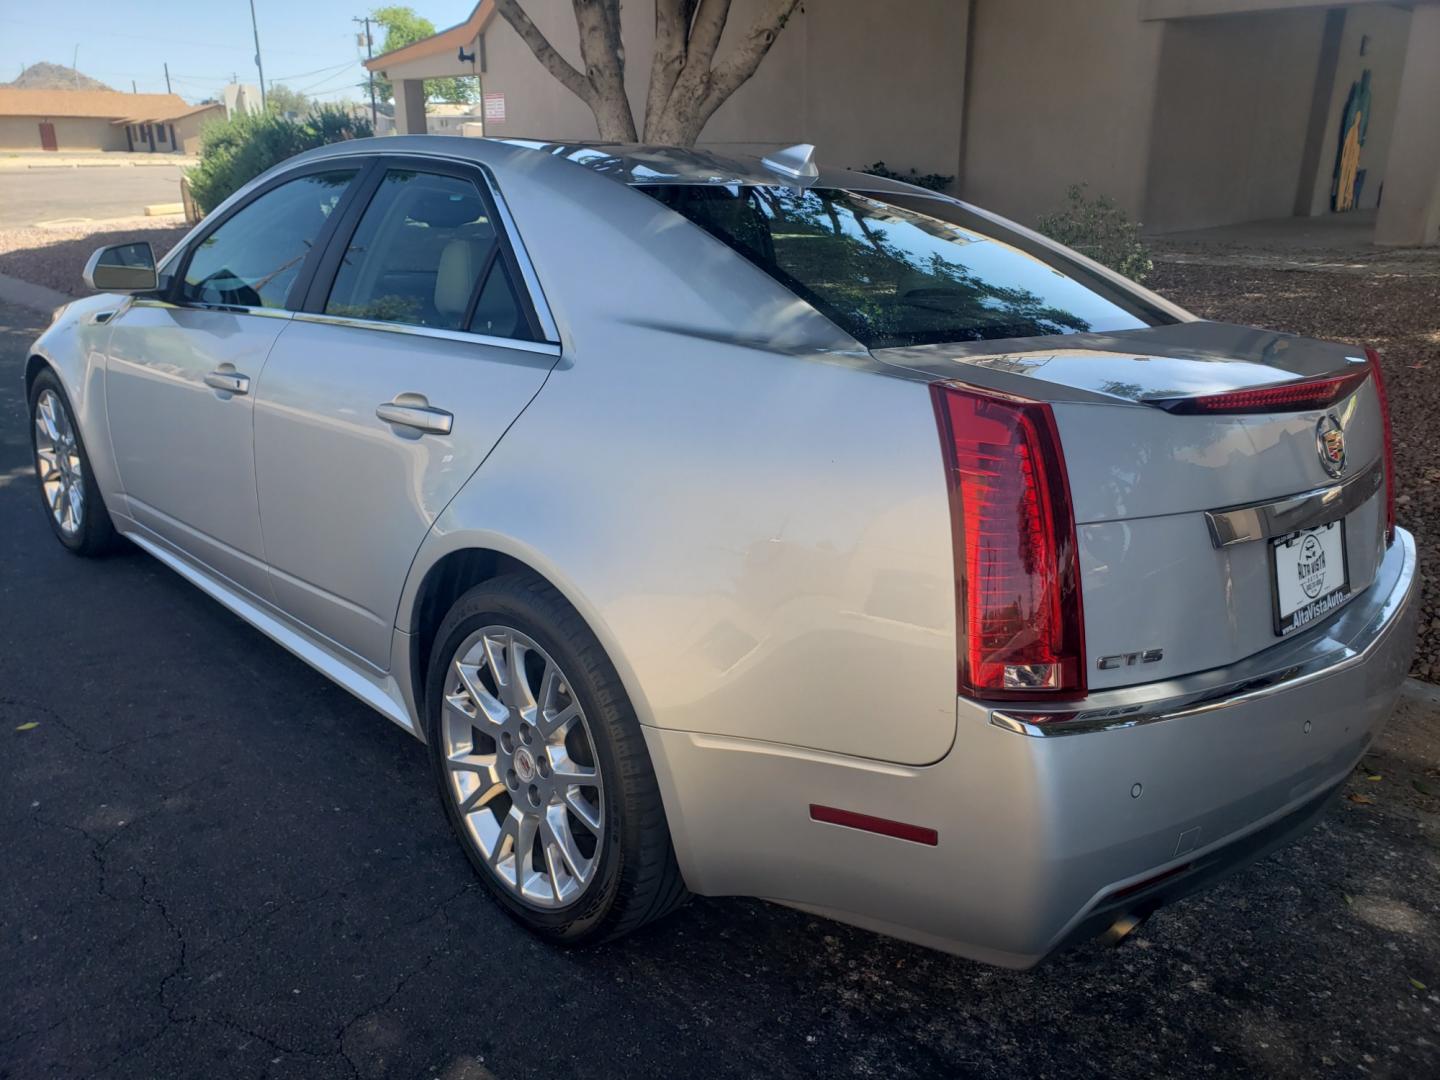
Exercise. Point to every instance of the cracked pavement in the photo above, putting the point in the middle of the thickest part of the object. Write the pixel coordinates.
(213, 862)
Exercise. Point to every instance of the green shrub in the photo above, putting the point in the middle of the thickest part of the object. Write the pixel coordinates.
(1097, 227)
(234, 152)
(934, 181)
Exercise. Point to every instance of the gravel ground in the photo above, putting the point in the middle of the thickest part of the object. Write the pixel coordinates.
(1387, 300)
(55, 255)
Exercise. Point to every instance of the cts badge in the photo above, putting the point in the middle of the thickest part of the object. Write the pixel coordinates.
(1130, 659)
(1330, 444)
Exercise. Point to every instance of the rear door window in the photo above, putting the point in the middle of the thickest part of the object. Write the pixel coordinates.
(907, 271)
(426, 253)
(254, 256)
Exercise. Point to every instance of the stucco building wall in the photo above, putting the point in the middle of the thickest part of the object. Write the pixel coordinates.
(846, 75)
(23, 133)
(1188, 113)
(1058, 94)
(1232, 109)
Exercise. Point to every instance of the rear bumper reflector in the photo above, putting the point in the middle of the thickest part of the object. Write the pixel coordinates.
(900, 830)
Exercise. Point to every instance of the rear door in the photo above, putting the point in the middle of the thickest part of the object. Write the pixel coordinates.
(417, 348)
(183, 367)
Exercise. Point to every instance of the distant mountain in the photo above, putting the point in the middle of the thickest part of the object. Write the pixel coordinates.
(44, 76)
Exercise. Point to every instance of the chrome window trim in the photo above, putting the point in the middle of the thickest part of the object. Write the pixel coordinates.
(1280, 517)
(522, 259)
(1244, 690)
(233, 309)
(543, 348)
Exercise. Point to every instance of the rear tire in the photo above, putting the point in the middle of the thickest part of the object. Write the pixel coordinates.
(69, 495)
(558, 748)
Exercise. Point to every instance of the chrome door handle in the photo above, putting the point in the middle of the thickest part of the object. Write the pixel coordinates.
(419, 417)
(229, 381)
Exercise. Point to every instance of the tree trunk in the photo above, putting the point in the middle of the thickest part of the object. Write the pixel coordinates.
(686, 83)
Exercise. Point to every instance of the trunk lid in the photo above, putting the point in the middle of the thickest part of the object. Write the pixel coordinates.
(1159, 591)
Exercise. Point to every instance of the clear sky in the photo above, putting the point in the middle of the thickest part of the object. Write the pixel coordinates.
(310, 45)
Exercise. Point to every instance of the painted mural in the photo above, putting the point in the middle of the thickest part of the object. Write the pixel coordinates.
(1348, 178)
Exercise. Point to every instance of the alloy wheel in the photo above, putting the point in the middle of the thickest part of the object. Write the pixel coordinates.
(521, 766)
(57, 461)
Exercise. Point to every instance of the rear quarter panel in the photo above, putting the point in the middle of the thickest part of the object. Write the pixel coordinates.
(758, 536)
(761, 543)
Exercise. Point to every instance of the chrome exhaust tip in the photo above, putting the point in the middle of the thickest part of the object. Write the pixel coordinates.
(1121, 929)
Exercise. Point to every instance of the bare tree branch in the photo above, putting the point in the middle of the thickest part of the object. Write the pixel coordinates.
(598, 22)
(705, 30)
(602, 86)
(731, 73)
(672, 39)
(686, 84)
(554, 63)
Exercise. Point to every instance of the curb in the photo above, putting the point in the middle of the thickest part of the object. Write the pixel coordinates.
(26, 294)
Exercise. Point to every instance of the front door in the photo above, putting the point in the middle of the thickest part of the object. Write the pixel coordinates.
(182, 374)
(47, 137)
(381, 401)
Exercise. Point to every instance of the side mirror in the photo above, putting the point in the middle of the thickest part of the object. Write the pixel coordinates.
(122, 268)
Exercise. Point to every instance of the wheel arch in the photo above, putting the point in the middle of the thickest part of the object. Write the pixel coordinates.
(440, 576)
(35, 364)
(460, 562)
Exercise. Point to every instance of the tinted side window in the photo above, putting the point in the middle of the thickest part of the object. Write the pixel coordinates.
(253, 258)
(908, 271)
(426, 253)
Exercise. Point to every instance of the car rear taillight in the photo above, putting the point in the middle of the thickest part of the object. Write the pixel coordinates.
(1017, 580)
(1286, 397)
(1379, 377)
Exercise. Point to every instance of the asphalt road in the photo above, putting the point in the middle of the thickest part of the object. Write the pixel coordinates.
(28, 196)
(214, 863)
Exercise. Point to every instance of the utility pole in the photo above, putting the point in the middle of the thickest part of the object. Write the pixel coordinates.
(75, 59)
(167, 77)
(370, 55)
(258, 65)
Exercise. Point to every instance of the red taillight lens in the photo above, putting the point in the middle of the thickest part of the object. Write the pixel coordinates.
(1379, 378)
(1287, 397)
(1017, 578)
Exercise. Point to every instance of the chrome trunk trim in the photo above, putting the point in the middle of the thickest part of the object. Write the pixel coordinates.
(1261, 521)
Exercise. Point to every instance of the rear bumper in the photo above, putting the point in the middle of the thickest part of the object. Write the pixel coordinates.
(1151, 792)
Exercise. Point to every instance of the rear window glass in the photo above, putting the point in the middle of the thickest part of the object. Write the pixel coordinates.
(894, 271)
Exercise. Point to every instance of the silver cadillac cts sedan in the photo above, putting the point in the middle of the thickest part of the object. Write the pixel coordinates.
(731, 525)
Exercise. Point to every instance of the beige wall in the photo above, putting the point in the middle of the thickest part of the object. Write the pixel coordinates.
(188, 129)
(1410, 211)
(846, 75)
(1232, 109)
(1186, 122)
(23, 133)
(1386, 29)
(1059, 94)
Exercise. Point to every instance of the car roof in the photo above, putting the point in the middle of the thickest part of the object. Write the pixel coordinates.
(625, 163)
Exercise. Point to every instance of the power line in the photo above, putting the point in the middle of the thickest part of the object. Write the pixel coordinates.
(318, 71)
(346, 81)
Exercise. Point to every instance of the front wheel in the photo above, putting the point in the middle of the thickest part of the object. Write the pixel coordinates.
(72, 500)
(543, 769)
